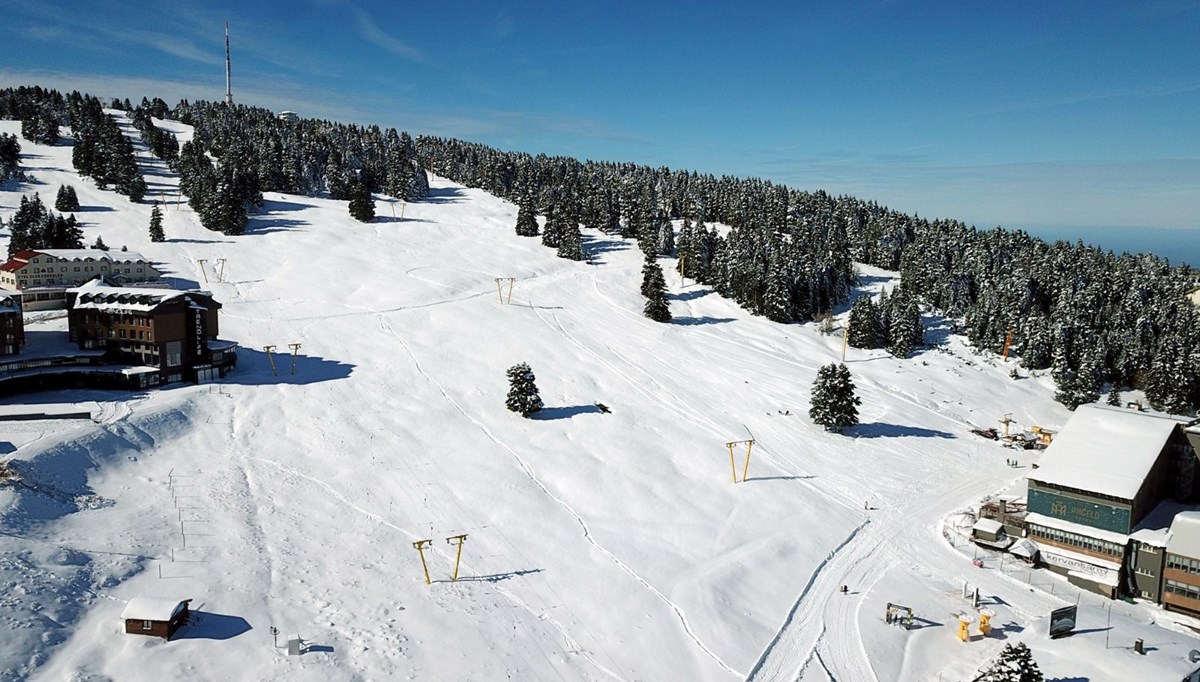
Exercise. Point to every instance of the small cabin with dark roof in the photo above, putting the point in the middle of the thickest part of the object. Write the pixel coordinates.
(155, 617)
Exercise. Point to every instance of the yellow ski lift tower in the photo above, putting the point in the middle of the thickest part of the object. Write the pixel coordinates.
(746, 467)
(420, 546)
(458, 557)
(500, 282)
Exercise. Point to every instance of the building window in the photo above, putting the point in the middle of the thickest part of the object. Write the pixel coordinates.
(147, 625)
(1183, 589)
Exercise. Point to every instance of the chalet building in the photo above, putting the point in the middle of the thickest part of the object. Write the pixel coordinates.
(12, 324)
(1098, 483)
(155, 617)
(289, 116)
(172, 333)
(43, 276)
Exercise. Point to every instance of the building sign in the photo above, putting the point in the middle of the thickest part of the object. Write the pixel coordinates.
(1051, 557)
(1062, 621)
(1085, 513)
(198, 334)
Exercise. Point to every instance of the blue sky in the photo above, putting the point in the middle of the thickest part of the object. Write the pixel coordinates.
(1021, 114)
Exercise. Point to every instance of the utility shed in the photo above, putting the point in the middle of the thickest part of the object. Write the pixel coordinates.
(155, 617)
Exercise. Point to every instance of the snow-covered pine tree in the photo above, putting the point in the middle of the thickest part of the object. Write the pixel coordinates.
(552, 233)
(834, 404)
(1171, 382)
(362, 204)
(777, 300)
(655, 287)
(905, 331)
(1014, 664)
(865, 330)
(99, 244)
(570, 243)
(522, 390)
(526, 219)
(156, 228)
(666, 237)
(10, 156)
(66, 200)
(1114, 396)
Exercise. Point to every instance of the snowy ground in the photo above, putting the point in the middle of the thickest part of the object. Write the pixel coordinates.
(600, 546)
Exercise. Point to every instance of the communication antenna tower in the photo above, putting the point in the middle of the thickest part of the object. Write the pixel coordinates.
(228, 87)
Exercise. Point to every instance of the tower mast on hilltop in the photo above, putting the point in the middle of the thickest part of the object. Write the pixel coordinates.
(228, 87)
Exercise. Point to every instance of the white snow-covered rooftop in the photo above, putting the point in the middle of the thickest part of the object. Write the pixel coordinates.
(1106, 450)
(149, 608)
(1185, 534)
(95, 254)
(96, 294)
(988, 526)
(1155, 529)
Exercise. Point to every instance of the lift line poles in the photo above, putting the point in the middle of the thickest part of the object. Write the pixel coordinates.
(746, 467)
(457, 557)
(271, 359)
(420, 546)
(500, 288)
(204, 272)
(295, 349)
(220, 269)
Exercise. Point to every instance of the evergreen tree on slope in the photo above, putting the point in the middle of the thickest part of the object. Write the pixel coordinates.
(655, 288)
(1015, 664)
(522, 390)
(156, 228)
(833, 403)
(526, 219)
(362, 205)
(66, 200)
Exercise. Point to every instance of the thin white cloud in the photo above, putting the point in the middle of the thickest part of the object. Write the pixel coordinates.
(372, 33)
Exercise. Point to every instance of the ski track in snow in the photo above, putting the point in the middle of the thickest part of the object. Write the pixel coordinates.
(587, 533)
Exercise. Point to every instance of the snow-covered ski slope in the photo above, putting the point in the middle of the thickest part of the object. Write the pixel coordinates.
(599, 546)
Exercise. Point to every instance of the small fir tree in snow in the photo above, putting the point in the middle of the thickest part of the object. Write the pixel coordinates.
(1114, 396)
(522, 392)
(362, 204)
(156, 228)
(834, 404)
(99, 244)
(66, 201)
(1015, 664)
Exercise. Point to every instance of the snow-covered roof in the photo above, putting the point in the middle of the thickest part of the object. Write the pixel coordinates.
(97, 294)
(1185, 535)
(988, 526)
(1155, 529)
(94, 254)
(1106, 450)
(1078, 529)
(148, 608)
(1024, 548)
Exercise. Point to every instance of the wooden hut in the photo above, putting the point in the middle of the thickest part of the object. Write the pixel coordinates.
(155, 617)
